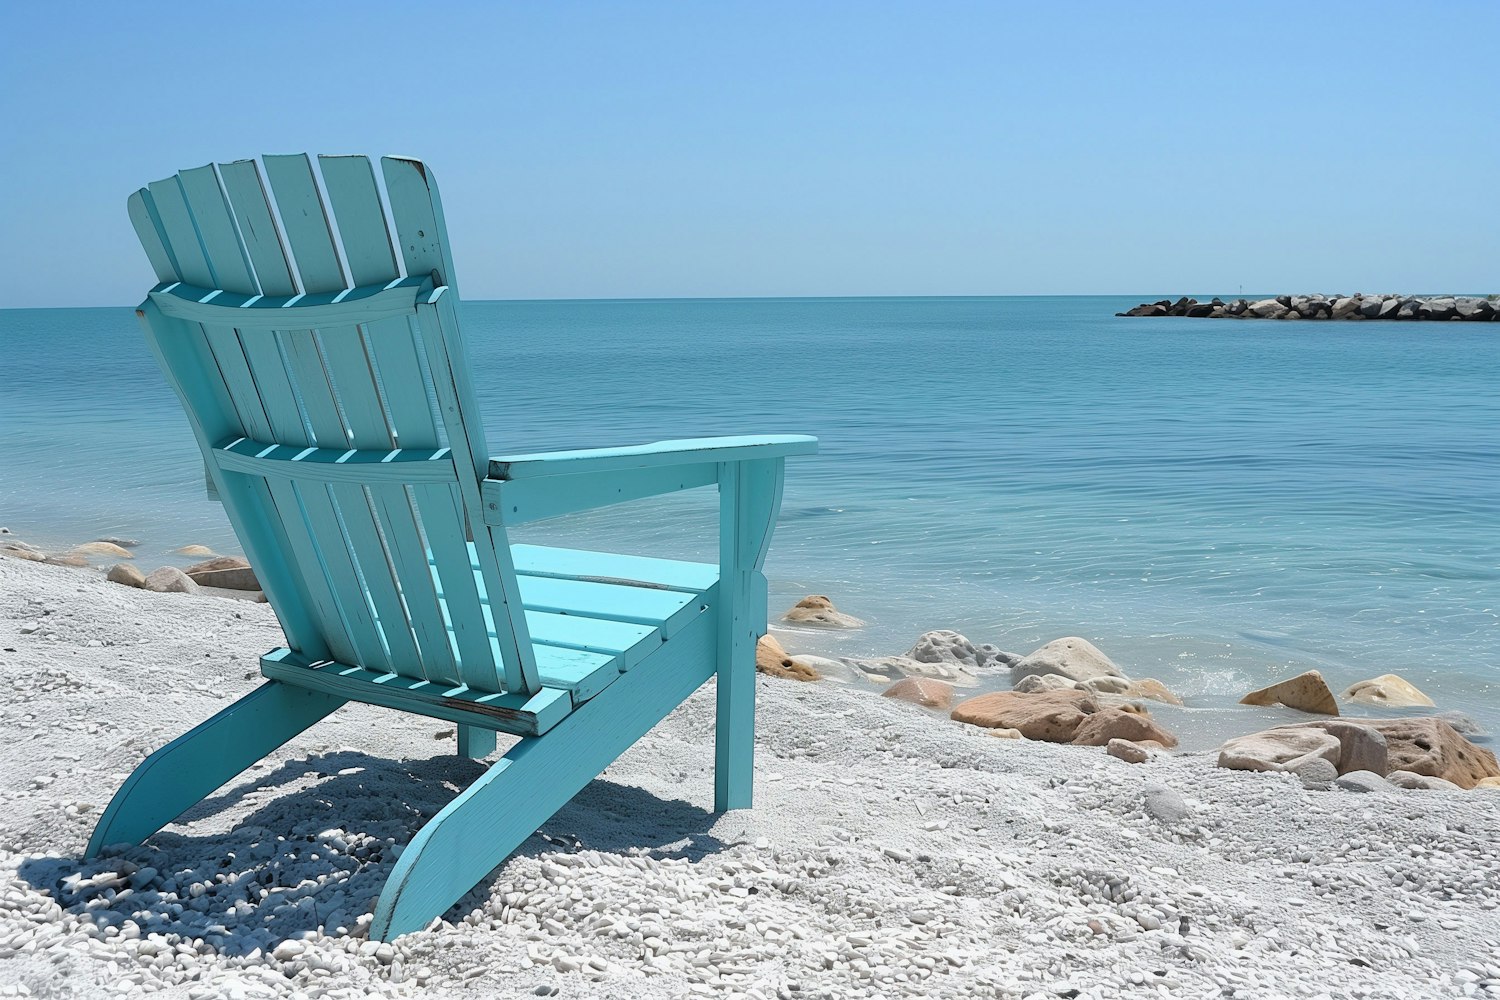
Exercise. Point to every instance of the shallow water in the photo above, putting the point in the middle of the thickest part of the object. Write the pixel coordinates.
(1214, 503)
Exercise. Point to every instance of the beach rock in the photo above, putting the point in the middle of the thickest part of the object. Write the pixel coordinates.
(944, 646)
(20, 551)
(924, 691)
(1388, 309)
(195, 550)
(896, 667)
(816, 609)
(126, 574)
(1107, 724)
(1361, 747)
(1307, 692)
(228, 572)
(836, 670)
(1362, 781)
(1036, 683)
(1432, 747)
(1369, 307)
(1153, 689)
(170, 580)
(1130, 753)
(1283, 749)
(124, 543)
(1267, 309)
(1052, 716)
(102, 549)
(1125, 687)
(1343, 307)
(1004, 734)
(1316, 773)
(1424, 782)
(1488, 783)
(1438, 309)
(771, 659)
(1389, 690)
(1166, 805)
(993, 656)
(67, 559)
(1462, 722)
(1074, 658)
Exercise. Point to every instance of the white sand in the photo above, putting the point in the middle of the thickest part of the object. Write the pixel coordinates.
(891, 852)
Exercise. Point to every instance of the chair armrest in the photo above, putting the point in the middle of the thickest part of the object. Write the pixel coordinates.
(689, 451)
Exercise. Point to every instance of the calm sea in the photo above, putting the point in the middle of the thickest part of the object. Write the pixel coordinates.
(1214, 503)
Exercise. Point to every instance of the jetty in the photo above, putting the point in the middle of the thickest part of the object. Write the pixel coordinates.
(1359, 306)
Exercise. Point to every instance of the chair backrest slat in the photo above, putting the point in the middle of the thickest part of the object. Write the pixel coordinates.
(364, 559)
(216, 231)
(304, 222)
(356, 208)
(179, 232)
(257, 227)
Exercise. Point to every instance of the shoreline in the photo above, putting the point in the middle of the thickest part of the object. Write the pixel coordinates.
(887, 854)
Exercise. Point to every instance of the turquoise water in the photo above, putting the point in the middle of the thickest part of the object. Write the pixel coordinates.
(1212, 503)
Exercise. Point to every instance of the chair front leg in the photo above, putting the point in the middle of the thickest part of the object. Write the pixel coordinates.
(749, 497)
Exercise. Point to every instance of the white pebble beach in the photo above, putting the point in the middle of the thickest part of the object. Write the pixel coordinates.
(891, 852)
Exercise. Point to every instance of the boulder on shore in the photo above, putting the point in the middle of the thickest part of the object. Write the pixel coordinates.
(170, 580)
(1432, 747)
(1070, 716)
(127, 575)
(925, 691)
(1282, 749)
(1307, 692)
(815, 609)
(771, 659)
(1390, 690)
(1072, 657)
(227, 572)
(102, 549)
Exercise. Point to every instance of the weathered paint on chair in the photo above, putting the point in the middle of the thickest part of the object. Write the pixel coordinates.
(322, 369)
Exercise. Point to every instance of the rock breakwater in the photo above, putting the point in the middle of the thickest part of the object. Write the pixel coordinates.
(1358, 306)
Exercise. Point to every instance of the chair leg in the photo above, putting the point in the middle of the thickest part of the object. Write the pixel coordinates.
(734, 728)
(475, 742)
(475, 832)
(178, 776)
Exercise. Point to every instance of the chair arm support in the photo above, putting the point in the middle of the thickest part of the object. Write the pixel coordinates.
(571, 481)
(689, 451)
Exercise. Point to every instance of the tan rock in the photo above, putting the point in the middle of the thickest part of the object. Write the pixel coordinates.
(1426, 782)
(228, 572)
(1284, 749)
(170, 580)
(27, 553)
(1488, 783)
(1388, 689)
(1306, 692)
(102, 549)
(195, 550)
(1361, 747)
(1036, 683)
(1155, 690)
(771, 659)
(1130, 753)
(1432, 747)
(816, 609)
(1005, 734)
(924, 691)
(1074, 658)
(68, 559)
(1108, 724)
(126, 574)
(1051, 716)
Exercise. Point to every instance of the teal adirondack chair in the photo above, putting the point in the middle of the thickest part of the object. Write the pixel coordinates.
(321, 366)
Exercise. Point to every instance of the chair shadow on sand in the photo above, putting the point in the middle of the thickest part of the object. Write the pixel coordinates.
(322, 853)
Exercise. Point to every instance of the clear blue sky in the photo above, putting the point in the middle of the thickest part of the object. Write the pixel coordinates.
(724, 149)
